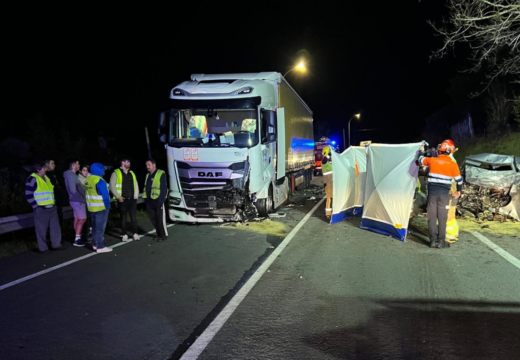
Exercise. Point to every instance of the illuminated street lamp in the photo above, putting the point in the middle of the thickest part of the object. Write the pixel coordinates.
(357, 116)
(300, 67)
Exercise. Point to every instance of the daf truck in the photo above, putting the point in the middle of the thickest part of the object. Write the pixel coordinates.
(237, 146)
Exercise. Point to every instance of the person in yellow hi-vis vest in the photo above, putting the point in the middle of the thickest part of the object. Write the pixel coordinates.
(326, 168)
(452, 227)
(124, 188)
(98, 205)
(154, 195)
(39, 193)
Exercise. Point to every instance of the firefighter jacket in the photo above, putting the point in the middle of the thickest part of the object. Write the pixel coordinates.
(442, 170)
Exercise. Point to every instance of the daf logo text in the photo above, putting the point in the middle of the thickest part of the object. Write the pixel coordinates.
(209, 174)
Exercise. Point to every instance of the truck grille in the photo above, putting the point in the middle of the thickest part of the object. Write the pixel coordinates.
(200, 184)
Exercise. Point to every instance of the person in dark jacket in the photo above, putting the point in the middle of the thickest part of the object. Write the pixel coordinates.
(154, 195)
(76, 191)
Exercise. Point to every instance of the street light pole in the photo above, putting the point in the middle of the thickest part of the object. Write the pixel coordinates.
(357, 116)
(344, 142)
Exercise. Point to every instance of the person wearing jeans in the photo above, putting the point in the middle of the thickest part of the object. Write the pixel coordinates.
(99, 223)
(98, 205)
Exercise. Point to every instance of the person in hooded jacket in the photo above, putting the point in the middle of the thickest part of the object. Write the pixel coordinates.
(98, 205)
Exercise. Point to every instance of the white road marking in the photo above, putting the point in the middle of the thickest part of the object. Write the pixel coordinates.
(205, 338)
(497, 249)
(32, 276)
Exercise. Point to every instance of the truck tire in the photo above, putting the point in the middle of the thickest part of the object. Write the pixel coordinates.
(265, 206)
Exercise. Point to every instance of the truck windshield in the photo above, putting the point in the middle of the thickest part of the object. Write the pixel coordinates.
(213, 127)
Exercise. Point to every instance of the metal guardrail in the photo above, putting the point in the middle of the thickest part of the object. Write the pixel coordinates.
(24, 221)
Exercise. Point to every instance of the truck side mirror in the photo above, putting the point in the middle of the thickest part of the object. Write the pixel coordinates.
(165, 119)
(269, 125)
(162, 121)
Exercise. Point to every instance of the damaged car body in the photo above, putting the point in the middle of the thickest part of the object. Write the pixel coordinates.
(491, 186)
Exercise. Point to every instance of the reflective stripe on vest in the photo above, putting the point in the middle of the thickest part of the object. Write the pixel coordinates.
(156, 185)
(44, 193)
(119, 181)
(95, 201)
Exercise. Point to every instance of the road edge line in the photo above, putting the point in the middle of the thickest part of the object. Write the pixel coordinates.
(32, 276)
(497, 249)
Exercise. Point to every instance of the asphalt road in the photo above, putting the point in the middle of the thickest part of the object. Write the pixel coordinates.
(333, 292)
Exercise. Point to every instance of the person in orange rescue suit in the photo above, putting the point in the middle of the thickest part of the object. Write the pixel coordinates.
(326, 168)
(442, 170)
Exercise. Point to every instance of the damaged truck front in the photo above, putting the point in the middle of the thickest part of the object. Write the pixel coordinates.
(237, 144)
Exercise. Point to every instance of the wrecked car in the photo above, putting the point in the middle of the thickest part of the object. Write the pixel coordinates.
(491, 189)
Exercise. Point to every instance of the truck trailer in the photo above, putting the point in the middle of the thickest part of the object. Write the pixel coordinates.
(237, 145)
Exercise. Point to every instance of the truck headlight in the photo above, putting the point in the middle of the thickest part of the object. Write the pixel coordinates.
(175, 201)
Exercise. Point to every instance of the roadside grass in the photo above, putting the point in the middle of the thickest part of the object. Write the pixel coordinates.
(491, 228)
(25, 240)
(505, 145)
(9, 248)
(267, 227)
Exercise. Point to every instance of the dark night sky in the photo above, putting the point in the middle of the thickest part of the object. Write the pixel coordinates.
(111, 69)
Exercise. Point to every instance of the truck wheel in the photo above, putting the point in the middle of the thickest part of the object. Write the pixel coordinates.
(265, 206)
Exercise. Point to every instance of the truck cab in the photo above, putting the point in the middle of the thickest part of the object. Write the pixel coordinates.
(235, 144)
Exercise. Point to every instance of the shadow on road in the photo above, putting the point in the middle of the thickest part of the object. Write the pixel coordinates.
(426, 329)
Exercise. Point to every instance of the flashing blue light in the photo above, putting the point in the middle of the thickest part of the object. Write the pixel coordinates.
(302, 144)
(333, 142)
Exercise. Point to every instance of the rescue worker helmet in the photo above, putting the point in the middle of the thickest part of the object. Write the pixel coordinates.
(325, 151)
(447, 146)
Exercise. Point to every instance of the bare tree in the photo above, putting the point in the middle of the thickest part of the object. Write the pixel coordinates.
(498, 108)
(516, 111)
(491, 29)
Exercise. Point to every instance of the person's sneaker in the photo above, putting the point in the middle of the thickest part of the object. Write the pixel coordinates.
(104, 250)
(136, 237)
(79, 243)
(125, 238)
